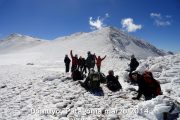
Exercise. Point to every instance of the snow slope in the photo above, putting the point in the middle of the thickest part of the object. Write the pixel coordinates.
(16, 42)
(107, 41)
(32, 92)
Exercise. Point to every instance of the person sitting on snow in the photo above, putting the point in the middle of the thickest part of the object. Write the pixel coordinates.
(148, 86)
(92, 81)
(77, 75)
(112, 82)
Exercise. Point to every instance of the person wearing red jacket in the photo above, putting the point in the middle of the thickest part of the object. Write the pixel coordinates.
(74, 61)
(98, 62)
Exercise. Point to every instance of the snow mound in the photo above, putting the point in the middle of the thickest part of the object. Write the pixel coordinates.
(159, 106)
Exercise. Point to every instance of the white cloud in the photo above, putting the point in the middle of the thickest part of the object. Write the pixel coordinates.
(98, 23)
(128, 25)
(162, 23)
(157, 15)
(160, 20)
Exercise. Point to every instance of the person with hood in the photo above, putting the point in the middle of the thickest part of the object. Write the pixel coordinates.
(112, 82)
(98, 62)
(148, 86)
(67, 63)
(74, 61)
(90, 61)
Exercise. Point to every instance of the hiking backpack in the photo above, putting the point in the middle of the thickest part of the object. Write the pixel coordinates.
(95, 80)
(150, 81)
(77, 75)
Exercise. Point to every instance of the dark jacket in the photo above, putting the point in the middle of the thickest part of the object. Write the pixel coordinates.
(134, 64)
(90, 61)
(113, 83)
(81, 62)
(67, 60)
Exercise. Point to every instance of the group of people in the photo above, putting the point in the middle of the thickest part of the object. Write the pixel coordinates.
(83, 64)
(148, 86)
(94, 79)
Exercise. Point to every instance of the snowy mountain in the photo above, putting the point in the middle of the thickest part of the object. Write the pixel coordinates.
(33, 84)
(16, 42)
(113, 41)
(107, 40)
(132, 45)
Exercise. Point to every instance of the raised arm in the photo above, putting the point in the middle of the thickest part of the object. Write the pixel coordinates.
(104, 57)
(71, 54)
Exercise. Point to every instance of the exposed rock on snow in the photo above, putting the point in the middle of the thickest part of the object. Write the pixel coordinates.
(30, 64)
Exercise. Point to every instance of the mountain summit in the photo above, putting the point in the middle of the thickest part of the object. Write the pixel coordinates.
(125, 43)
(112, 41)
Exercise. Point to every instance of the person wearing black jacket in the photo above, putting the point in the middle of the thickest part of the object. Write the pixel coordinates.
(133, 64)
(112, 82)
(67, 63)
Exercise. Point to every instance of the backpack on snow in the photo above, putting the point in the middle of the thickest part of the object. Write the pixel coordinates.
(154, 84)
(77, 75)
(114, 86)
(95, 80)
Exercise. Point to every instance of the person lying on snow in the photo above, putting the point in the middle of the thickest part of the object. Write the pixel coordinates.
(112, 82)
(148, 86)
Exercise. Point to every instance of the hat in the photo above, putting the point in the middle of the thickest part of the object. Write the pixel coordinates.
(111, 72)
(135, 73)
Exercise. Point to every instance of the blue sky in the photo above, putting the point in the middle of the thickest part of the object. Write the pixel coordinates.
(157, 21)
